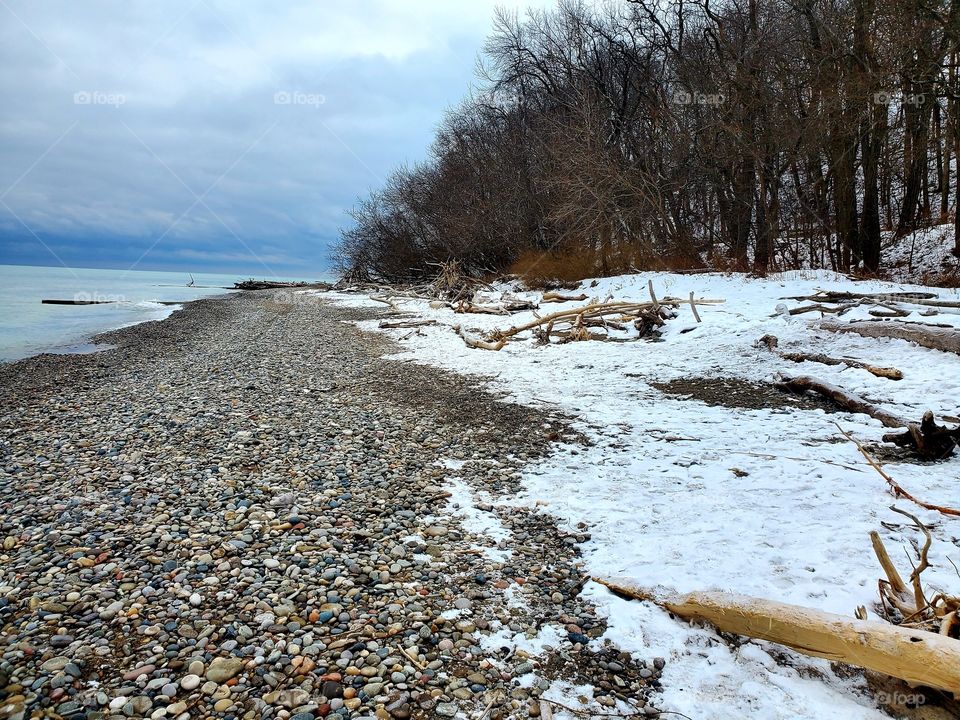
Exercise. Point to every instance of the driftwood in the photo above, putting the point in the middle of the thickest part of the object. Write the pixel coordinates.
(842, 398)
(934, 337)
(274, 284)
(822, 309)
(386, 301)
(574, 322)
(885, 372)
(555, 297)
(917, 656)
(838, 297)
(931, 441)
(77, 302)
(477, 342)
(693, 307)
(895, 487)
(505, 307)
(388, 325)
(937, 614)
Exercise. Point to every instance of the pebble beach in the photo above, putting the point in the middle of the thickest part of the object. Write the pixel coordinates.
(246, 511)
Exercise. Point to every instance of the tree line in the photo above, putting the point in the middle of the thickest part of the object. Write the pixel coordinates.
(643, 134)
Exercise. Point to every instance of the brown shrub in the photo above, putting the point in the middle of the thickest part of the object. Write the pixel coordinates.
(947, 278)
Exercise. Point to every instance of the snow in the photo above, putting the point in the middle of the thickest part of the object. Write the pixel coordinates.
(681, 495)
(923, 253)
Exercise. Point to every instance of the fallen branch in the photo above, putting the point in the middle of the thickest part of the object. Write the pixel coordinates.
(917, 656)
(386, 301)
(822, 309)
(555, 297)
(476, 343)
(898, 491)
(836, 296)
(693, 307)
(934, 337)
(387, 325)
(884, 372)
(465, 306)
(839, 396)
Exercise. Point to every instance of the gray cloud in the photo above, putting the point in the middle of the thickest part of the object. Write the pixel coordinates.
(202, 133)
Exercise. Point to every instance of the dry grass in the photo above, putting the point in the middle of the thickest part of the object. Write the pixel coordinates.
(944, 278)
(540, 269)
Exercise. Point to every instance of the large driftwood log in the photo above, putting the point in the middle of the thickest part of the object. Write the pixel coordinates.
(837, 296)
(917, 656)
(885, 372)
(842, 398)
(929, 336)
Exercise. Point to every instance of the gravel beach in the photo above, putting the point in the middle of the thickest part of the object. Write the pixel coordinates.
(244, 511)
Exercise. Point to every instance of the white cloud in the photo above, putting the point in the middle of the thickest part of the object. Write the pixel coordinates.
(197, 80)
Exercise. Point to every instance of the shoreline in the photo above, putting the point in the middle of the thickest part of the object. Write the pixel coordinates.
(245, 510)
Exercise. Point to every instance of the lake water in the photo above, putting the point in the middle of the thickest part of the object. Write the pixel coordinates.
(28, 327)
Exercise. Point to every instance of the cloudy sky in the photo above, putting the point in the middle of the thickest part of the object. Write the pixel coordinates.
(215, 135)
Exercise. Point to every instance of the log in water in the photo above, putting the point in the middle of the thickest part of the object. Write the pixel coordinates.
(77, 302)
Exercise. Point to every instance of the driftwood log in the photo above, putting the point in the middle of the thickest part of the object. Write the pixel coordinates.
(478, 343)
(76, 302)
(555, 297)
(839, 297)
(389, 325)
(917, 656)
(885, 372)
(841, 398)
(934, 337)
(929, 440)
(895, 487)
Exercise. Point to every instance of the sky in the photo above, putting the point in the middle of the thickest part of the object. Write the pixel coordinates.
(207, 135)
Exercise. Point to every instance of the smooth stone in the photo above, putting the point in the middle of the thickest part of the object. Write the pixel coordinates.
(222, 669)
(446, 709)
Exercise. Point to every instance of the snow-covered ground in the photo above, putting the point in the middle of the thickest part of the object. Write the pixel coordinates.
(679, 494)
(924, 253)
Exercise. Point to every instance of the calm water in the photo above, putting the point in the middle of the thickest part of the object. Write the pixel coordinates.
(28, 327)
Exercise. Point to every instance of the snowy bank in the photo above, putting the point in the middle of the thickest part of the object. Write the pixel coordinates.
(721, 492)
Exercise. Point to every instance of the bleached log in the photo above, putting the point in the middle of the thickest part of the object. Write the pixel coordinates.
(916, 656)
(889, 569)
(555, 297)
(477, 343)
(885, 372)
(386, 301)
(934, 337)
(693, 307)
